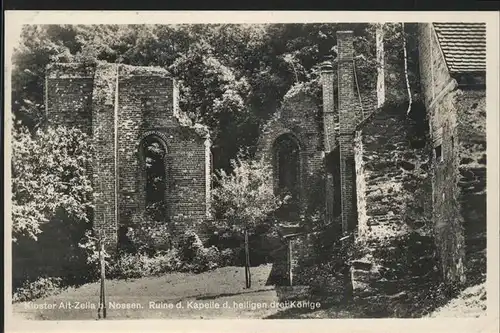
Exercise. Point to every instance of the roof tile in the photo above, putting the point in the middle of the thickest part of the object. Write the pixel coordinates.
(463, 45)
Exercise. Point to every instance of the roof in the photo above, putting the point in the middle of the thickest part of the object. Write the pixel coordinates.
(463, 45)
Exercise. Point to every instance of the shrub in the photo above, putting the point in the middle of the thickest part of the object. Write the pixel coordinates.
(205, 259)
(194, 256)
(262, 244)
(41, 287)
(189, 256)
(189, 245)
(49, 174)
(229, 257)
(146, 236)
(140, 265)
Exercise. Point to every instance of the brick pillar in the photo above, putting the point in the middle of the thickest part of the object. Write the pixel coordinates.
(104, 117)
(328, 106)
(328, 132)
(380, 65)
(349, 116)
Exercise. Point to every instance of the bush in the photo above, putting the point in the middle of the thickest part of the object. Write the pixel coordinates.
(189, 245)
(262, 244)
(146, 236)
(140, 265)
(189, 256)
(205, 259)
(55, 254)
(41, 287)
(194, 256)
(229, 257)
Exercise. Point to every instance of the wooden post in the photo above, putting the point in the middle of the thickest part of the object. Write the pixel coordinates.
(290, 273)
(248, 279)
(102, 298)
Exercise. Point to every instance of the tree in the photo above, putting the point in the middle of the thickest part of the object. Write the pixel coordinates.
(50, 173)
(246, 197)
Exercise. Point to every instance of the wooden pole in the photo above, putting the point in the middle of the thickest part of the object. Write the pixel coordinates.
(290, 273)
(102, 298)
(248, 280)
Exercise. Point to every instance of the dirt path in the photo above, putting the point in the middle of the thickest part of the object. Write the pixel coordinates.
(216, 294)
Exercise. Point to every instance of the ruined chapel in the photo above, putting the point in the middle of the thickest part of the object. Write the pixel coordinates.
(407, 184)
(380, 184)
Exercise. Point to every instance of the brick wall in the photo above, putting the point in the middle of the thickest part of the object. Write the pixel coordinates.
(68, 94)
(349, 117)
(105, 163)
(297, 117)
(329, 135)
(121, 106)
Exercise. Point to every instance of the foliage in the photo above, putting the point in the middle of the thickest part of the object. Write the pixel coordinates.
(263, 241)
(137, 265)
(194, 256)
(42, 287)
(90, 244)
(229, 257)
(245, 196)
(324, 266)
(232, 76)
(189, 255)
(49, 173)
(147, 236)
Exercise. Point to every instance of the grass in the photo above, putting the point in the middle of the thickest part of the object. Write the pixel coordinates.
(216, 294)
(209, 290)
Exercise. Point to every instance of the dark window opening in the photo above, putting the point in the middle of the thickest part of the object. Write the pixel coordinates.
(333, 167)
(438, 153)
(287, 174)
(156, 179)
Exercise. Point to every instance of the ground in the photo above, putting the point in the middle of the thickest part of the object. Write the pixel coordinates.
(210, 288)
(470, 303)
(221, 294)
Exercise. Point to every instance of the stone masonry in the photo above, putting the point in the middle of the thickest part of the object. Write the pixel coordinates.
(453, 67)
(412, 185)
(120, 107)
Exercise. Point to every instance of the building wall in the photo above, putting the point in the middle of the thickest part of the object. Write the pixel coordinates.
(393, 184)
(120, 106)
(434, 73)
(471, 128)
(105, 160)
(297, 116)
(349, 116)
(457, 118)
(68, 95)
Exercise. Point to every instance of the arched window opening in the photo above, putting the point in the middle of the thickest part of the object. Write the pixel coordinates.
(287, 174)
(154, 152)
(333, 169)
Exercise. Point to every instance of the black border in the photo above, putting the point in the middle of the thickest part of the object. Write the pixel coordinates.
(352, 5)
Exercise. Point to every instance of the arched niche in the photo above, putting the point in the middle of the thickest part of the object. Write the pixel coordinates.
(287, 173)
(154, 177)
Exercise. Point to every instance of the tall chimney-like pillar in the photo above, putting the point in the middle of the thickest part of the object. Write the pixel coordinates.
(328, 132)
(379, 38)
(328, 106)
(348, 118)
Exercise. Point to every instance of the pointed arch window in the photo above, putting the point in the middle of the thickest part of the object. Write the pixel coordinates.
(154, 180)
